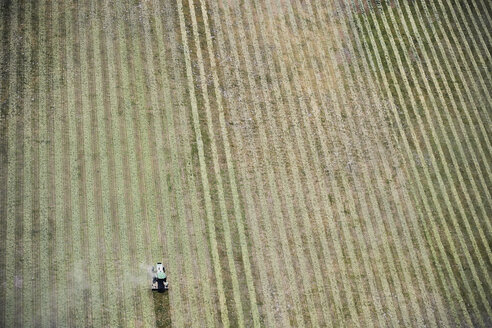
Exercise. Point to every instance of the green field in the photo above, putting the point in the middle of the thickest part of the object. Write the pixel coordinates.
(301, 163)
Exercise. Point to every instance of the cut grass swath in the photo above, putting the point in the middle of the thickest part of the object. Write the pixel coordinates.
(59, 178)
(273, 186)
(27, 285)
(232, 174)
(12, 117)
(439, 177)
(205, 181)
(399, 205)
(77, 274)
(420, 194)
(222, 204)
(92, 227)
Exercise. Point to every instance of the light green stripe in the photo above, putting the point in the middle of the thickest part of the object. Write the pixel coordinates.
(27, 283)
(12, 118)
(78, 263)
(59, 252)
(95, 299)
(205, 184)
(128, 310)
(111, 284)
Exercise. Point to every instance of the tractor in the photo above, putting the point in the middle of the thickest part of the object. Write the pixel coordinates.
(159, 278)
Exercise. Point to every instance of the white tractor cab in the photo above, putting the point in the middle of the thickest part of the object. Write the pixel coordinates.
(159, 278)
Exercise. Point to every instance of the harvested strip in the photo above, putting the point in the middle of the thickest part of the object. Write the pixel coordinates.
(58, 176)
(77, 171)
(27, 236)
(105, 234)
(441, 183)
(205, 182)
(231, 171)
(10, 247)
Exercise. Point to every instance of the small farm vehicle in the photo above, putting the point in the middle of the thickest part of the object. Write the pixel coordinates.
(159, 278)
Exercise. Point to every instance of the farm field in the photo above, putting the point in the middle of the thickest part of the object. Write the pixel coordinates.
(299, 163)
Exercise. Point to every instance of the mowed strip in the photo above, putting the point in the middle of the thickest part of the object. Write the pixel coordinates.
(415, 260)
(125, 309)
(420, 194)
(4, 91)
(443, 189)
(27, 236)
(11, 278)
(220, 188)
(249, 154)
(232, 179)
